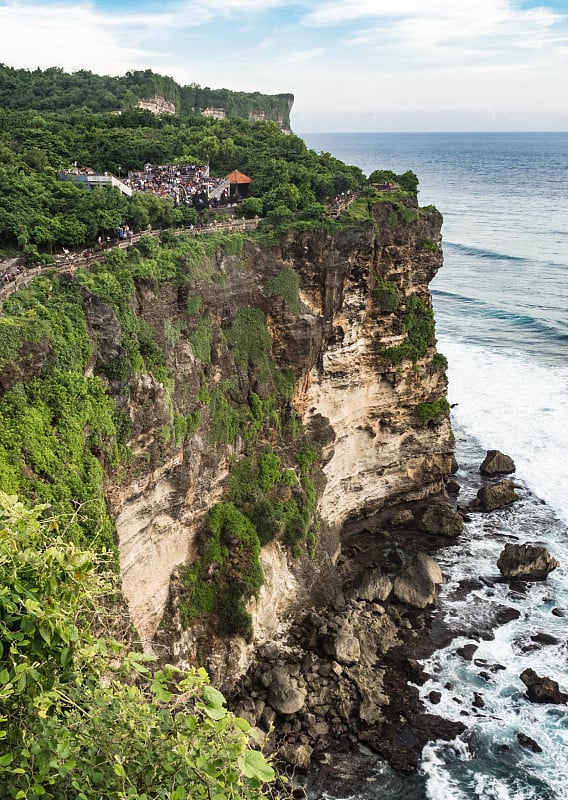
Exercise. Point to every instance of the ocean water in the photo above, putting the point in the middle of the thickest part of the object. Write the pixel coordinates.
(501, 304)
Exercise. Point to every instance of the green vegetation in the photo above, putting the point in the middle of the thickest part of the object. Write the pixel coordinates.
(265, 501)
(285, 284)
(440, 361)
(408, 182)
(419, 326)
(426, 412)
(387, 296)
(54, 89)
(83, 718)
(40, 214)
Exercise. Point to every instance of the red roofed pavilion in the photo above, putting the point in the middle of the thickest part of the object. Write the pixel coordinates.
(239, 183)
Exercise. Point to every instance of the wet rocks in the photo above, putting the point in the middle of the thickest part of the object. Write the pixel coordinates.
(528, 743)
(542, 689)
(497, 495)
(526, 561)
(497, 463)
(441, 519)
(417, 584)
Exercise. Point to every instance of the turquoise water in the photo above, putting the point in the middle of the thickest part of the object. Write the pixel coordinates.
(501, 303)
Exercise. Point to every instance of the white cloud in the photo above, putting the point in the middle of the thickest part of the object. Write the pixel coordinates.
(73, 36)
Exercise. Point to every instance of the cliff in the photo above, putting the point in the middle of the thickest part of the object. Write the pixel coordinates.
(256, 424)
(360, 373)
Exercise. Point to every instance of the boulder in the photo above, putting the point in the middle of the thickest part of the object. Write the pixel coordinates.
(372, 586)
(497, 495)
(497, 463)
(284, 695)
(542, 690)
(528, 743)
(526, 561)
(441, 519)
(346, 646)
(416, 584)
(297, 755)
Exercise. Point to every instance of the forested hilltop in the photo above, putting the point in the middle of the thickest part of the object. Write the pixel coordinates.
(53, 89)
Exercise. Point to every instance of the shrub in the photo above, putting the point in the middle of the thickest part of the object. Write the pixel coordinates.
(426, 412)
(386, 296)
(82, 717)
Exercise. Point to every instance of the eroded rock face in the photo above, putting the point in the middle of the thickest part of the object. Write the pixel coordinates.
(526, 562)
(497, 495)
(355, 404)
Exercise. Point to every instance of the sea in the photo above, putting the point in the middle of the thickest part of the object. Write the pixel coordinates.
(501, 307)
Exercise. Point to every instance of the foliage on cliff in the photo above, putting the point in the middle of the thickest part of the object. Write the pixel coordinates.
(82, 719)
(53, 89)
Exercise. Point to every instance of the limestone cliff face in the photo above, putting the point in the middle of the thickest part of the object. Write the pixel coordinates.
(354, 400)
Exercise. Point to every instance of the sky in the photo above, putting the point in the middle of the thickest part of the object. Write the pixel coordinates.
(352, 65)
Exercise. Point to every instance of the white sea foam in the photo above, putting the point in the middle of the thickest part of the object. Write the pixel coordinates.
(513, 404)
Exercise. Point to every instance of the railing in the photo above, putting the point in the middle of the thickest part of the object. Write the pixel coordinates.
(70, 263)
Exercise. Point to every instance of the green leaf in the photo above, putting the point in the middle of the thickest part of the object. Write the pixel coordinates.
(241, 724)
(215, 713)
(6, 759)
(66, 657)
(213, 697)
(253, 764)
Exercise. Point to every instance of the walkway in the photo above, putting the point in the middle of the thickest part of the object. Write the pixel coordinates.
(70, 263)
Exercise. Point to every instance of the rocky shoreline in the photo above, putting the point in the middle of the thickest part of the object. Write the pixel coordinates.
(347, 675)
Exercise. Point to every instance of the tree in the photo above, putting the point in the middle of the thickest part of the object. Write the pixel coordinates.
(82, 718)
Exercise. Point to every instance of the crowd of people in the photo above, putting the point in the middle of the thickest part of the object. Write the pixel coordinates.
(188, 184)
(9, 275)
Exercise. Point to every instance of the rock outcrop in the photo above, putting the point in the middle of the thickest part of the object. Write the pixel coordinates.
(441, 519)
(497, 463)
(542, 690)
(497, 495)
(417, 583)
(526, 562)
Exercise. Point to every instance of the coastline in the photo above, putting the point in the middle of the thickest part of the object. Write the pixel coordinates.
(346, 754)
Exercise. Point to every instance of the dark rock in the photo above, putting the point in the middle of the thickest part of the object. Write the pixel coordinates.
(542, 690)
(453, 487)
(497, 495)
(298, 756)
(435, 697)
(441, 520)
(467, 651)
(478, 701)
(526, 561)
(544, 638)
(505, 614)
(528, 743)
(558, 612)
(402, 519)
(497, 463)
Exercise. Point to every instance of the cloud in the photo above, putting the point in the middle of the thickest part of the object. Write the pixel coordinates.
(74, 36)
